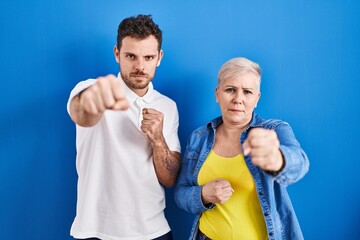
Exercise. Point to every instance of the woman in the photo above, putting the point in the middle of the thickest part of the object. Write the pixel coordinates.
(236, 168)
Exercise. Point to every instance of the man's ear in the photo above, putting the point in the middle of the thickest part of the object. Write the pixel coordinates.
(117, 54)
(161, 54)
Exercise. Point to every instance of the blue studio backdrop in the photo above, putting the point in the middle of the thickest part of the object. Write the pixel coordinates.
(309, 53)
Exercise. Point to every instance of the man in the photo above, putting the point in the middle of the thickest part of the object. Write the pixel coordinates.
(127, 142)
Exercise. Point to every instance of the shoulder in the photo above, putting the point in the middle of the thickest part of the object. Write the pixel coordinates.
(200, 131)
(205, 130)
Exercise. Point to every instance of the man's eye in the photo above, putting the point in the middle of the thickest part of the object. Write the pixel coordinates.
(247, 92)
(149, 58)
(129, 56)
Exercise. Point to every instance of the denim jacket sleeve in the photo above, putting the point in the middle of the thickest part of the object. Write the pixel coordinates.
(296, 161)
(187, 191)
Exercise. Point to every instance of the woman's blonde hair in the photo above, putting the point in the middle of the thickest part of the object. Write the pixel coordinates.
(238, 66)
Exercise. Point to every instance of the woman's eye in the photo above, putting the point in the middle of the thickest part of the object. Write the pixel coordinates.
(230, 90)
(247, 92)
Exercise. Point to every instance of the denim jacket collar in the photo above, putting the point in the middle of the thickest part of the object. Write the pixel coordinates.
(255, 122)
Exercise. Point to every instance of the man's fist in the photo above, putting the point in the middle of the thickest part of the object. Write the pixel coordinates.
(106, 93)
(152, 124)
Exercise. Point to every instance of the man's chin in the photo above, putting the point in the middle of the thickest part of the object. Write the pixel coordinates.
(137, 82)
(140, 87)
(141, 81)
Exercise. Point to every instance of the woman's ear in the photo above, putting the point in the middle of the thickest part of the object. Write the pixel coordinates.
(259, 95)
(216, 94)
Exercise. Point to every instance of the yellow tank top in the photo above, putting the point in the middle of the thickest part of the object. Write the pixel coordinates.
(241, 216)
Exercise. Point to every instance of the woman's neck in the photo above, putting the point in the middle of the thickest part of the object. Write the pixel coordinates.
(227, 141)
(230, 130)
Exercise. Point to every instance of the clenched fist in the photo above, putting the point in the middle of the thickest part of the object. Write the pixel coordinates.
(106, 93)
(152, 124)
(86, 108)
(216, 191)
(263, 146)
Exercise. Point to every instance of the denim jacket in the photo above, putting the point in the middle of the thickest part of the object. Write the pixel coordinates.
(279, 215)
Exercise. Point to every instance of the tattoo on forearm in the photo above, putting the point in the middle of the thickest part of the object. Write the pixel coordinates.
(172, 165)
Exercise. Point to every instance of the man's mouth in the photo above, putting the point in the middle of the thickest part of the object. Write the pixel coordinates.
(138, 75)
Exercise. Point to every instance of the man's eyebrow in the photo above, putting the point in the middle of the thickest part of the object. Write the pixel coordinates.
(130, 53)
(147, 55)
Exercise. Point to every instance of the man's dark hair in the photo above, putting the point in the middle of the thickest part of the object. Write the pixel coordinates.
(139, 27)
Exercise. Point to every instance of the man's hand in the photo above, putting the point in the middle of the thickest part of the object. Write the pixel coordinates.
(166, 162)
(152, 124)
(216, 191)
(87, 108)
(263, 146)
(105, 94)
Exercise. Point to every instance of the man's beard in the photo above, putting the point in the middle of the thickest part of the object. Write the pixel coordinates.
(137, 84)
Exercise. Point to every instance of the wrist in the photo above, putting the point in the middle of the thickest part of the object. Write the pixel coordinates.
(157, 141)
(280, 167)
(203, 199)
(276, 172)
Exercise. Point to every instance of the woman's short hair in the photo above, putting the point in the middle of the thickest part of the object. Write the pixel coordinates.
(236, 67)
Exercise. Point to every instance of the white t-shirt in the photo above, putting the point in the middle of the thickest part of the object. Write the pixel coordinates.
(119, 196)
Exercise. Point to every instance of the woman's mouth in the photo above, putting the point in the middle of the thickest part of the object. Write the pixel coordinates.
(236, 110)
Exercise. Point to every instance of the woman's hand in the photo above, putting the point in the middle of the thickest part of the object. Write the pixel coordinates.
(263, 146)
(216, 191)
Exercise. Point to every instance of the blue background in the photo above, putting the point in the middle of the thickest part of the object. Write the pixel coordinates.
(309, 52)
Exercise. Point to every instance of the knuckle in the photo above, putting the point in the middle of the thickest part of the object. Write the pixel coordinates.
(88, 92)
(100, 81)
(103, 82)
(94, 89)
(86, 99)
(92, 110)
(109, 103)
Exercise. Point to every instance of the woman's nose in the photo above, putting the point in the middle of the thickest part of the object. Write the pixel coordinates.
(237, 98)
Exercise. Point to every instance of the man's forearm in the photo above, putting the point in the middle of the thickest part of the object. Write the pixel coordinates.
(166, 163)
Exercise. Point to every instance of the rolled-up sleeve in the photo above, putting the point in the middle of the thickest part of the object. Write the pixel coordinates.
(296, 160)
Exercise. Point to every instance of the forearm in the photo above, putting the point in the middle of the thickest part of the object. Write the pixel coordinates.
(166, 163)
(189, 199)
(187, 195)
(80, 116)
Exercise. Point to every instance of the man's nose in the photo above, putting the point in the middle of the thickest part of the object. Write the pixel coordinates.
(139, 65)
